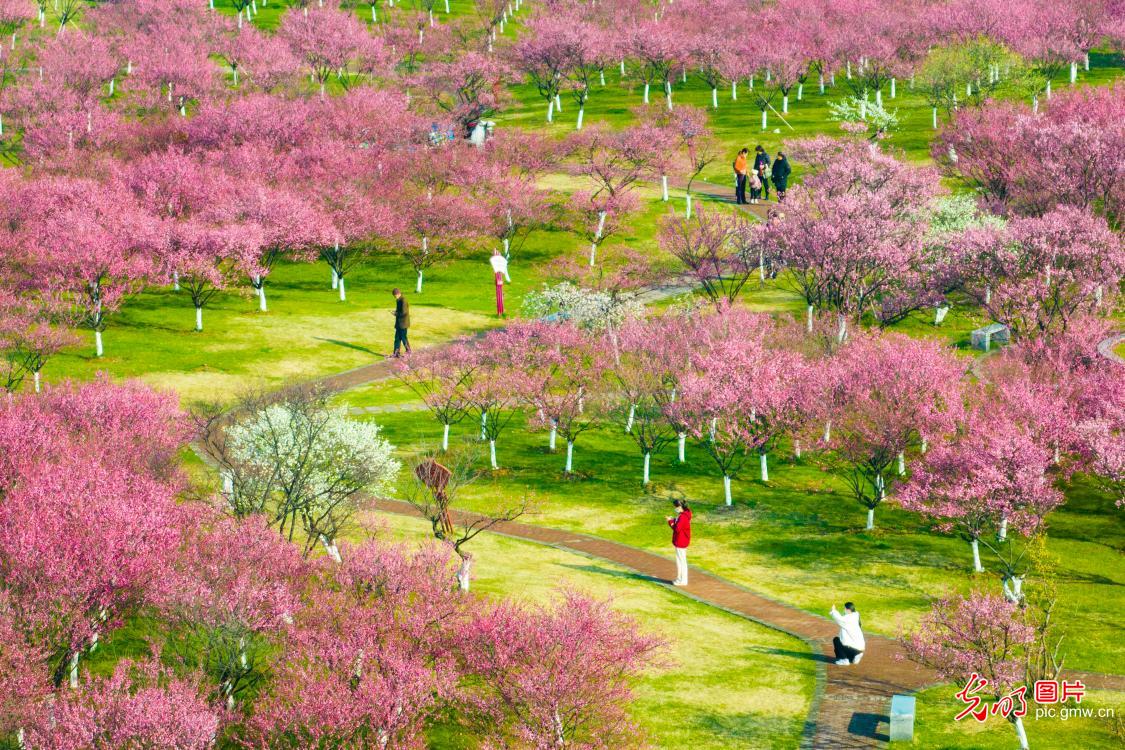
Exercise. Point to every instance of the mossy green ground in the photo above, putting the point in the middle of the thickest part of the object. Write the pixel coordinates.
(798, 538)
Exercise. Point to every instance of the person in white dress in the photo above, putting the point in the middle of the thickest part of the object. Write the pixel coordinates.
(500, 270)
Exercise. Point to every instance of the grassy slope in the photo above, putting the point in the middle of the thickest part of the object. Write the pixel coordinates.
(728, 682)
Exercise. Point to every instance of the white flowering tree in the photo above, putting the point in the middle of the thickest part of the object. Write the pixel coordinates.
(304, 464)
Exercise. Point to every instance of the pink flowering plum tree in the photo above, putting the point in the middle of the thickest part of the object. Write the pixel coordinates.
(443, 380)
(978, 637)
(896, 392)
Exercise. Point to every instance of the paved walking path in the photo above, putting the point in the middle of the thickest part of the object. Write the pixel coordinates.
(849, 709)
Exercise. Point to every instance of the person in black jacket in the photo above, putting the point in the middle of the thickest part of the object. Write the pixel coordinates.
(762, 166)
(780, 175)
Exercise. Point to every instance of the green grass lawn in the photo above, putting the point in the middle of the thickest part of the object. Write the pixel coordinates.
(800, 537)
(728, 682)
(935, 728)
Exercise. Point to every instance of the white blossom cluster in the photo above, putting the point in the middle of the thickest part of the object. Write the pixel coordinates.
(587, 308)
(317, 444)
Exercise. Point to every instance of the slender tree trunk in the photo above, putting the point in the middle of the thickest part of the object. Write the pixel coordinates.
(1002, 534)
(554, 433)
(901, 463)
(1017, 724)
(681, 448)
(977, 567)
(418, 283)
(198, 318)
(870, 519)
(648, 463)
(664, 187)
(98, 349)
(335, 279)
(764, 464)
(714, 98)
(35, 375)
(726, 490)
(343, 293)
(629, 419)
(569, 456)
(331, 549)
(492, 453)
(809, 318)
(445, 438)
(464, 573)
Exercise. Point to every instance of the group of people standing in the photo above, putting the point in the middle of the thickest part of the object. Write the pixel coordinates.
(757, 176)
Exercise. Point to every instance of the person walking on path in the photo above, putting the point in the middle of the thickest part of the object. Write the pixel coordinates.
(681, 538)
(849, 644)
(780, 174)
(500, 270)
(741, 170)
(762, 167)
(402, 321)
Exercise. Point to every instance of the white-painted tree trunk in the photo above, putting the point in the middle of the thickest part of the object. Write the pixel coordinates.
(901, 463)
(646, 93)
(800, 91)
(1086, 62)
(688, 205)
(1073, 73)
(714, 98)
(35, 379)
(175, 281)
(445, 437)
(550, 110)
(601, 77)
(492, 453)
(809, 318)
(820, 82)
(940, 313)
(552, 438)
(933, 118)
(893, 93)
(418, 282)
(1048, 88)
(762, 265)
(569, 456)
(797, 448)
(726, 489)
(977, 567)
(648, 463)
(879, 97)
(1017, 722)
(870, 518)
(581, 116)
(842, 331)
(764, 120)
(664, 187)
(199, 318)
(629, 419)
(734, 91)
(335, 279)
(763, 461)
(785, 104)
(343, 291)
(827, 430)
(925, 445)
(464, 574)
(1003, 532)
(483, 424)
(1013, 589)
(74, 670)
(331, 549)
(98, 349)
(558, 103)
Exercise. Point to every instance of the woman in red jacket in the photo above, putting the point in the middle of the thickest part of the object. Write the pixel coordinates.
(681, 538)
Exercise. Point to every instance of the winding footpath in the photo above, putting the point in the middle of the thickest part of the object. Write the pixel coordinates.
(850, 704)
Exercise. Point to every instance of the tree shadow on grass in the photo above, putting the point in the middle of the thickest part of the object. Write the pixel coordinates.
(807, 655)
(348, 345)
(624, 574)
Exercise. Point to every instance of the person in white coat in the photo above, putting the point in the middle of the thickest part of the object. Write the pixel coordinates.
(849, 644)
(500, 270)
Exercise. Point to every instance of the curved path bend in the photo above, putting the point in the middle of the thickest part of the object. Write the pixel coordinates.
(850, 705)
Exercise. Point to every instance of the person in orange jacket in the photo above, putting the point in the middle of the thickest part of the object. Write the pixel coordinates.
(681, 538)
(741, 169)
